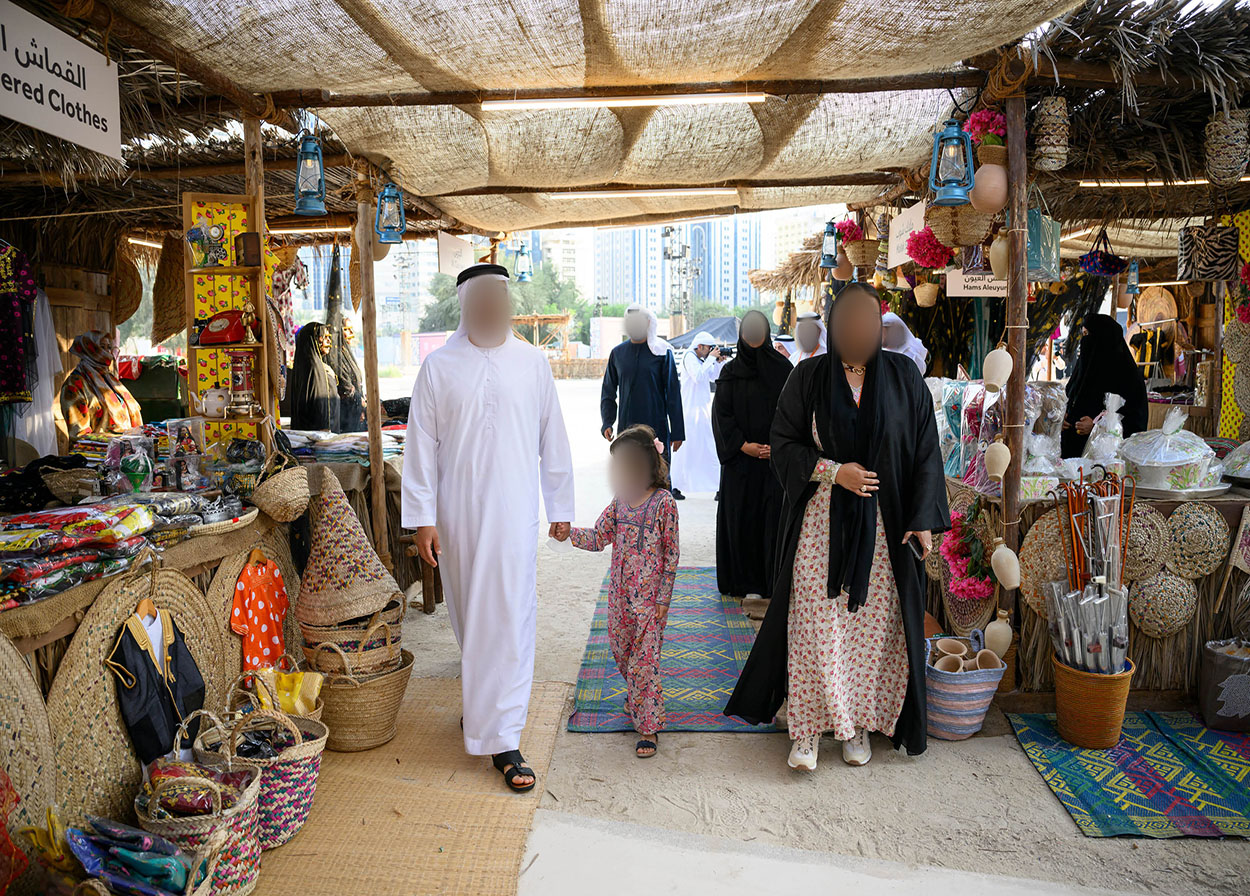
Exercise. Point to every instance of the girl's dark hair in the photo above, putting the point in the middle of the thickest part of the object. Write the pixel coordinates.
(642, 438)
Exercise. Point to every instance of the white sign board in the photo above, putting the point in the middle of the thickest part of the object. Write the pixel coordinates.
(454, 254)
(960, 284)
(903, 225)
(52, 82)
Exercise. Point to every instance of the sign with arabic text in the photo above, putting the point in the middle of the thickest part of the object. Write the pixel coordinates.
(903, 225)
(57, 84)
(960, 284)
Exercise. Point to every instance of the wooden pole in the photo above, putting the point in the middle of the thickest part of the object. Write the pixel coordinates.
(373, 401)
(865, 178)
(116, 27)
(254, 172)
(1017, 322)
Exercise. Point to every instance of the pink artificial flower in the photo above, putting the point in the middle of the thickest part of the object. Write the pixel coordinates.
(1243, 313)
(986, 122)
(925, 250)
(849, 231)
(1245, 274)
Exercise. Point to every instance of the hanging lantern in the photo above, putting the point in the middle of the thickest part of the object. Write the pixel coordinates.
(389, 223)
(950, 170)
(524, 264)
(829, 248)
(310, 182)
(1133, 285)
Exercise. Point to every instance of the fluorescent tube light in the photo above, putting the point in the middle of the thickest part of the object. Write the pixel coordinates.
(607, 102)
(135, 241)
(645, 194)
(1120, 184)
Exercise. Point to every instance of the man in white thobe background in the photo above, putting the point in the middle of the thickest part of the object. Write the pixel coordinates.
(485, 435)
(697, 468)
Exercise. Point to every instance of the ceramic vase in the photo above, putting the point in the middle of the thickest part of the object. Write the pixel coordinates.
(998, 634)
(949, 663)
(989, 185)
(997, 458)
(845, 270)
(1000, 254)
(1006, 565)
(996, 369)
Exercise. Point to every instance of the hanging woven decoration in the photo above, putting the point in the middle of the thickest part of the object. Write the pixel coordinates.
(1163, 605)
(1146, 548)
(1237, 341)
(1198, 540)
(1050, 133)
(1227, 147)
(1043, 558)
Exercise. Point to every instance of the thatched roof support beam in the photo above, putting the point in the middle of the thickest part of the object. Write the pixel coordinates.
(222, 169)
(1076, 72)
(411, 199)
(107, 20)
(919, 81)
(867, 178)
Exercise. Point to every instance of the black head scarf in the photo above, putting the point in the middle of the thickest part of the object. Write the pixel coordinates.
(750, 363)
(855, 439)
(1104, 363)
(314, 399)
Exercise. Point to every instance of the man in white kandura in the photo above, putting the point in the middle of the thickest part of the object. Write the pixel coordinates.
(697, 468)
(809, 337)
(484, 432)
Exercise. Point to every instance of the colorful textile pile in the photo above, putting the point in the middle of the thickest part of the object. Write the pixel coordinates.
(341, 448)
(1169, 776)
(93, 447)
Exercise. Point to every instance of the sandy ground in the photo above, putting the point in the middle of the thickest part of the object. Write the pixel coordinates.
(976, 806)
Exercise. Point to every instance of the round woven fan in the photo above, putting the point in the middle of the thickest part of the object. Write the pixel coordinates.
(1197, 540)
(1157, 303)
(1147, 543)
(1237, 341)
(1241, 387)
(1043, 558)
(1162, 605)
(27, 754)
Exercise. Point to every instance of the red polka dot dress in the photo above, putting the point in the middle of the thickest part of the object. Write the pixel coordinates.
(260, 605)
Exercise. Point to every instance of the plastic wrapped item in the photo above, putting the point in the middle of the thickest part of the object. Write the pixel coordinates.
(1224, 688)
(1168, 458)
(1237, 462)
(970, 421)
(952, 411)
(129, 462)
(1107, 435)
(1089, 628)
(990, 427)
(1043, 421)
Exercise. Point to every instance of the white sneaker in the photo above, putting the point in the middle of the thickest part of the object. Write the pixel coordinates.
(803, 753)
(753, 596)
(857, 750)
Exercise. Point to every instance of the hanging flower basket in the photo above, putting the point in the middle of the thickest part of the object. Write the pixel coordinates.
(926, 250)
(926, 294)
(862, 253)
(1050, 132)
(958, 225)
(1227, 147)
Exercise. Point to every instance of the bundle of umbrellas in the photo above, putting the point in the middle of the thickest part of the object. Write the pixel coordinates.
(1089, 613)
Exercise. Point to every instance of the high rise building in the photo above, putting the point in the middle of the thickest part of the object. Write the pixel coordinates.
(629, 267)
(785, 230)
(571, 252)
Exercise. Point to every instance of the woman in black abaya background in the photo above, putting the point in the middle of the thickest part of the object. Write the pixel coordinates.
(351, 382)
(313, 387)
(855, 445)
(1104, 363)
(750, 495)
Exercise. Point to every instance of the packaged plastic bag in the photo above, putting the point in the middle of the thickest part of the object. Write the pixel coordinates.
(1168, 458)
(1107, 435)
(952, 410)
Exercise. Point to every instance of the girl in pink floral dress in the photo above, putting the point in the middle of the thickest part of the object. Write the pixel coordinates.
(641, 526)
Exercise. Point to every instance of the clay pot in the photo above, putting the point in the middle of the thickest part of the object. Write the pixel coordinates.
(989, 183)
(949, 663)
(1006, 565)
(952, 647)
(1000, 253)
(997, 457)
(986, 660)
(996, 369)
(998, 634)
(845, 270)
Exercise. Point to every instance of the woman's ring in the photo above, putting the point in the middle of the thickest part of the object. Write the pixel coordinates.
(863, 488)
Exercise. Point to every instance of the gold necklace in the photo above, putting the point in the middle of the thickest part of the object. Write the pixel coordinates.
(857, 369)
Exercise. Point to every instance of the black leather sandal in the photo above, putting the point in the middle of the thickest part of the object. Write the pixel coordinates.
(518, 770)
(645, 744)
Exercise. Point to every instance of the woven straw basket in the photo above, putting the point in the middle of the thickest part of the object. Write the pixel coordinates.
(862, 253)
(283, 496)
(1050, 133)
(926, 294)
(361, 712)
(373, 648)
(1227, 147)
(238, 867)
(70, 486)
(287, 782)
(1089, 707)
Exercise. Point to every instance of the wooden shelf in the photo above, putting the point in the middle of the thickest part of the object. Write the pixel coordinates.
(223, 269)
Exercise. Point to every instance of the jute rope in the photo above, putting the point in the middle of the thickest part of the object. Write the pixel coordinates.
(1000, 83)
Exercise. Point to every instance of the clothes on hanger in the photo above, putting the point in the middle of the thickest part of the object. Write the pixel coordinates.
(258, 611)
(36, 424)
(17, 314)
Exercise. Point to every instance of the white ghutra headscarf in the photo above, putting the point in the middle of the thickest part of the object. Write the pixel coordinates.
(897, 337)
(657, 345)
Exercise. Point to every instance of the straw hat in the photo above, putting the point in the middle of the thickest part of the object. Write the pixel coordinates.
(1147, 543)
(1197, 540)
(27, 756)
(344, 578)
(1161, 606)
(97, 771)
(1043, 558)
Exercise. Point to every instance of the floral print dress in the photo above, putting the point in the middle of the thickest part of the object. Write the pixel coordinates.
(846, 670)
(645, 551)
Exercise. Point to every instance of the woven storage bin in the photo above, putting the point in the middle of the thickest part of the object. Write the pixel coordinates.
(1050, 133)
(287, 782)
(70, 486)
(958, 701)
(240, 699)
(1089, 707)
(862, 253)
(238, 867)
(283, 496)
(1227, 147)
(372, 649)
(361, 711)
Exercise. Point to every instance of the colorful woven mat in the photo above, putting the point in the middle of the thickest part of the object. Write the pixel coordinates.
(706, 642)
(1168, 777)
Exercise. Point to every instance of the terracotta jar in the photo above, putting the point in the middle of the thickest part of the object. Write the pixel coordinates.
(989, 183)
(998, 634)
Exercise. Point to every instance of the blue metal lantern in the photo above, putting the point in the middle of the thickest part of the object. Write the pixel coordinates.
(829, 248)
(1133, 284)
(524, 264)
(950, 169)
(389, 222)
(310, 178)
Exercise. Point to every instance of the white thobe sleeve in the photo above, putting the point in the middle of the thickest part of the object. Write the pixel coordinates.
(555, 456)
(420, 480)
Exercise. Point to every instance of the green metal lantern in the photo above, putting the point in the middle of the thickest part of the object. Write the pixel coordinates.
(389, 222)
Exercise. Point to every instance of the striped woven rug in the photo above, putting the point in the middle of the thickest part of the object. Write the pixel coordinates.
(706, 641)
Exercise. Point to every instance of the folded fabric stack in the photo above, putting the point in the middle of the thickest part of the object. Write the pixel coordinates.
(45, 552)
(93, 447)
(129, 860)
(354, 448)
(176, 513)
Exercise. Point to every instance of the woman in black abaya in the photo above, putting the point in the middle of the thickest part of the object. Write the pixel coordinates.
(351, 382)
(855, 445)
(749, 511)
(1104, 363)
(314, 387)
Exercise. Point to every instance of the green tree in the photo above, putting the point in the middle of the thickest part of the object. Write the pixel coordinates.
(444, 312)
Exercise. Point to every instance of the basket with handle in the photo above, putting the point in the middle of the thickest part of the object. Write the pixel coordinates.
(288, 781)
(958, 701)
(206, 858)
(240, 699)
(282, 492)
(375, 649)
(361, 710)
(238, 863)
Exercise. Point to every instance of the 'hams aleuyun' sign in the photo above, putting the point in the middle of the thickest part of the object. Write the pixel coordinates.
(52, 82)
